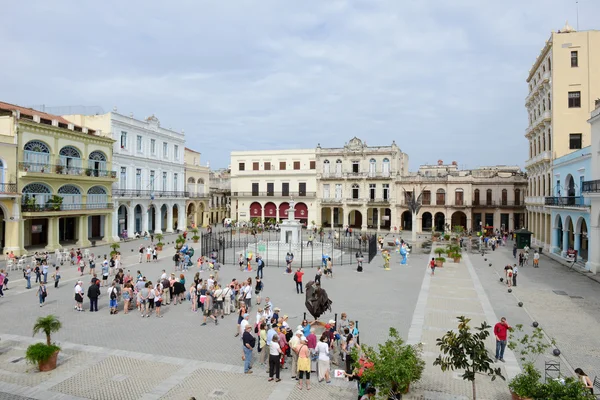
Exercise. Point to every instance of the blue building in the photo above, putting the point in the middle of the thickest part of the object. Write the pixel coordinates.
(570, 210)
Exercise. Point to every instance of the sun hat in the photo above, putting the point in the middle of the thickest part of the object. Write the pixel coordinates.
(246, 315)
(303, 338)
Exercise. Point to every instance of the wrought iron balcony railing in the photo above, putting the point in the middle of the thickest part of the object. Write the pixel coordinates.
(65, 170)
(567, 201)
(65, 207)
(8, 188)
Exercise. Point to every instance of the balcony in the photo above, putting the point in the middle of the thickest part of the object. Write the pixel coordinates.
(378, 201)
(197, 195)
(355, 175)
(63, 172)
(58, 208)
(591, 186)
(544, 156)
(273, 194)
(567, 201)
(8, 188)
(332, 201)
(130, 193)
(330, 175)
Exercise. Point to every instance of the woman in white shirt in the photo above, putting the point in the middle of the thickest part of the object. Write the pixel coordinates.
(79, 296)
(323, 362)
(274, 358)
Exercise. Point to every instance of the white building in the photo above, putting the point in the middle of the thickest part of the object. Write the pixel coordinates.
(150, 193)
(591, 190)
(262, 183)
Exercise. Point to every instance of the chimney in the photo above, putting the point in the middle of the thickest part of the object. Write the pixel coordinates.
(70, 126)
(36, 118)
(84, 129)
(54, 122)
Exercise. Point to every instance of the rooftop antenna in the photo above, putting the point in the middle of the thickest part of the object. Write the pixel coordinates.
(577, 7)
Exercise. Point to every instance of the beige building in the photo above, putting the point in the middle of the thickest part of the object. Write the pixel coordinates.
(563, 84)
(482, 198)
(591, 190)
(197, 184)
(262, 183)
(220, 196)
(356, 184)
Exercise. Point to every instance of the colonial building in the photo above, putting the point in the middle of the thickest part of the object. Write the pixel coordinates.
(197, 181)
(484, 198)
(591, 191)
(563, 83)
(220, 195)
(64, 174)
(150, 193)
(262, 183)
(355, 184)
(570, 210)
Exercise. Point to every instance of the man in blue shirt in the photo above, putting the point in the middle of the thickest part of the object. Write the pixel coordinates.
(270, 333)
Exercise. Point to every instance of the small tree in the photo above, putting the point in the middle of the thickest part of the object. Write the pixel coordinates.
(466, 350)
(395, 365)
(48, 324)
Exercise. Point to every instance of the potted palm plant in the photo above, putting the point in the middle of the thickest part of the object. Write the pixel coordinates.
(114, 248)
(195, 238)
(179, 242)
(160, 244)
(45, 355)
(454, 252)
(439, 260)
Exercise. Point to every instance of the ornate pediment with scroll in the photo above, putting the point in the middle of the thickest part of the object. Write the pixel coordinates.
(355, 144)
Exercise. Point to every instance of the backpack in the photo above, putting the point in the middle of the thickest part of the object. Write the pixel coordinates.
(113, 294)
(296, 277)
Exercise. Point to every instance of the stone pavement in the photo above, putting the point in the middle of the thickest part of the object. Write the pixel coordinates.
(453, 291)
(125, 356)
(564, 302)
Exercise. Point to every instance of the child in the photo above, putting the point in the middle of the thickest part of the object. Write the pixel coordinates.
(432, 265)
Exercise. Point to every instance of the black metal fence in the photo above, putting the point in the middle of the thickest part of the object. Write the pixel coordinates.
(340, 246)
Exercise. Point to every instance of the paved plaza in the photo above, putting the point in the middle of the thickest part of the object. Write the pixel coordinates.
(128, 357)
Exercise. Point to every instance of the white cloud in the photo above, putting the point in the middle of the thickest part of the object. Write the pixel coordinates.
(440, 78)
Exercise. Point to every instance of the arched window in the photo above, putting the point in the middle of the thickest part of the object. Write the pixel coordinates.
(372, 167)
(36, 193)
(97, 197)
(97, 162)
(355, 191)
(71, 159)
(386, 167)
(36, 155)
(544, 105)
(476, 197)
(1, 172)
(549, 140)
(191, 180)
(338, 168)
(326, 167)
(549, 103)
(543, 143)
(71, 196)
(488, 197)
(440, 197)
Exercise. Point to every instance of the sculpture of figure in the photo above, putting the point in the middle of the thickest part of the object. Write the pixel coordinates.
(317, 301)
(403, 254)
(386, 259)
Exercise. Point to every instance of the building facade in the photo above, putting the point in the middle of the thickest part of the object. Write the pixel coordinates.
(591, 191)
(197, 183)
(570, 209)
(262, 183)
(220, 196)
(64, 173)
(149, 195)
(563, 84)
(355, 184)
(487, 198)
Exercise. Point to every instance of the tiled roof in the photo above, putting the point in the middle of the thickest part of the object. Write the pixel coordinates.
(32, 112)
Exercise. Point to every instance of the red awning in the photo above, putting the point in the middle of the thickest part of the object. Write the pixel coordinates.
(283, 207)
(301, 211)
(255, 210)
(270, 210)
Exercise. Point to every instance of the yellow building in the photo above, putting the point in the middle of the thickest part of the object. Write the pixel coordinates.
(563, 84)
(196, 178)
(9, 195)
(64, 175)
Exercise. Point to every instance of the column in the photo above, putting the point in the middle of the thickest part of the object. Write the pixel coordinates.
(181, 219)
(577, 243)
(377, 221)
(108, 223)
(565, 234)
(511, 222)
(344, 218)
(330, 221)
(594, 251)
(13, 233)
(363, 211)
(144, 221)
(169, 228)
(554, 240)
(393, 221)
(195, 217)
(113, 227)
(53, 243)
(130, 221)
(82, 231)
(157, 221)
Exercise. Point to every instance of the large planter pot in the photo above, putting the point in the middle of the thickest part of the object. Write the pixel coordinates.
(517, 397)
(196, 240)
(49, 364)
(456, 260)
(434, 239)
(159, 248)
(439, 264)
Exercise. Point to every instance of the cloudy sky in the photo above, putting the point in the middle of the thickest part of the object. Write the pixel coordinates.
(444, 79)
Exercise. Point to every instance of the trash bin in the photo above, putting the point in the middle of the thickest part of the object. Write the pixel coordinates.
(540, 249)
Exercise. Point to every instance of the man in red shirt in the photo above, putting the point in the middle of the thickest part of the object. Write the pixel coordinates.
(298, 280)
(501, 333)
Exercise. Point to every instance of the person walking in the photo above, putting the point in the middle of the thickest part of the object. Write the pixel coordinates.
(56, 277)
(158, 299)
(28, 276)
(260, 266)
(113, 295)
(79, 296)
(294, 342)
(303, 363)
(515, 273)
(323, 360)
(141, 253)
(536, 259)
(298, 279)
(432, 266)
(248, 343)
(93, 293)
(45, 272)
(258, 288)
(274, 356)
(42, 293)
(208, 308)
(501, 334)
(515, 250)
(144, 295)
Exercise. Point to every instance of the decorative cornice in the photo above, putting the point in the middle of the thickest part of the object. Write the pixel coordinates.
(74, 135)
